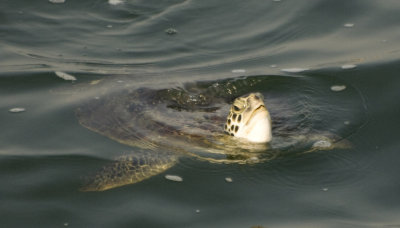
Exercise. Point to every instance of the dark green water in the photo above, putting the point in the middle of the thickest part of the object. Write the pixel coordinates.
(45, 153)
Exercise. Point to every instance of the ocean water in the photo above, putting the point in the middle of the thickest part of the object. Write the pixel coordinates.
(322, 66)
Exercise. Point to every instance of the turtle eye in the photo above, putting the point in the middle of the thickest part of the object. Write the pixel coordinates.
(236, 108)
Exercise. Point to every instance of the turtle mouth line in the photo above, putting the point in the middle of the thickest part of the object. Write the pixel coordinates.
(261, 106)
(255, 112)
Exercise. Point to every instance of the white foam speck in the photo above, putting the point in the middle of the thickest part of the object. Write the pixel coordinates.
(229, 179)
(171, 31)
(338, 88)
(57, 1)
(66, 224)
(294, 70)
(65, 76)
(197, 211)
(115, 2)
(17, 110)
(273, 65)
(325, 189)
(109, 26)
(348, 25)
(346, 122)
(349, 66)
(174, 178)
(238, 71)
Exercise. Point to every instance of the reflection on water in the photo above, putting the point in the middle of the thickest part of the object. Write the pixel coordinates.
(130, 38)
(156, 78)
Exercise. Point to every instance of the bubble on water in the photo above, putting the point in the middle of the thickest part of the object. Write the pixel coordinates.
(229, 179)
(56, 1)
(66, 224)
(17, 110)
(115, 2)
(273, 66)
(348, 25)
(65, 76)
(238, 71)
(325, 189)
(346, 122)
(294, 70)
(109, 26)
(197, 211)
(171, 31)
(338, 88)
(349, 66)
(174, 178)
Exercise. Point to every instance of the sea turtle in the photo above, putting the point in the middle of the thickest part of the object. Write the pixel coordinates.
(166, 124)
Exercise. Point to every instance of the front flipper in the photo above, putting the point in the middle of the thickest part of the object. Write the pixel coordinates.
(129, 170)
(328, 141)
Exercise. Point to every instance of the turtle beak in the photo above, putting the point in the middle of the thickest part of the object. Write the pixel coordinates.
(260, 108)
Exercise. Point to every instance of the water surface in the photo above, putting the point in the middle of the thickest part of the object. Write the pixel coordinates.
(298, 49)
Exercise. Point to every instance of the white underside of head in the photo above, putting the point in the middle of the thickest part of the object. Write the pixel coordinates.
(258, 129)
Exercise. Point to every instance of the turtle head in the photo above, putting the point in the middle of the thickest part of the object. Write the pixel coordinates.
(249, 119)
